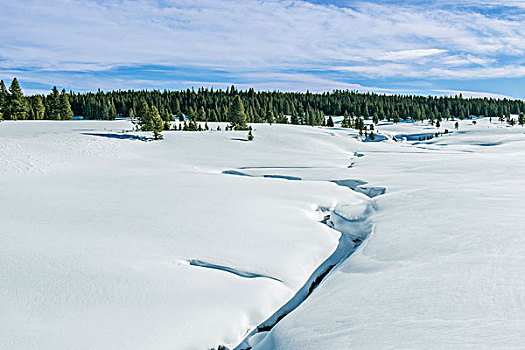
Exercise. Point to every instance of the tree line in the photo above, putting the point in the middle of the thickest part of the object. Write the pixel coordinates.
(15, 106)
(213, 105)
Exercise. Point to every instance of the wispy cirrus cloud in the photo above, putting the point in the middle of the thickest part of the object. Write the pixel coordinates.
(281, 44)
(406, 55)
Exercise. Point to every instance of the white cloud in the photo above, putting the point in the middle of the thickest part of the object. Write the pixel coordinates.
(409, 54)
(269, 38)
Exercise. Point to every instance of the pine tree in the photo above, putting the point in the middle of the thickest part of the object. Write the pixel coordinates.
(64, 108)
(52, 105)
(4, 96)
(396, 118)
(330, 122)
(112, 111)
(145, 123)
(213, 116)
(270, 118)
(104, 111)
(157, 123)
(38, 108)
(202, 114)
(176, 108)
(166, 116)
(250, 136)
(344, 123)
(17, 103)
(236, 115)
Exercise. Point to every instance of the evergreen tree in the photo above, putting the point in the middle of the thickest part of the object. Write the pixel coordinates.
(250, 136)
(213, 116)
(17, 103)
(282, 119)
(4, 97)
(344, 123)
(202, 114)
(236, 115)
(64, 108)
(270, 118)
(158, 124)
(52, 105)
(330, 122)
(150, 120)
(145, 122)
(166, 116)
(38, 108)
(112, 111)
(176, 108)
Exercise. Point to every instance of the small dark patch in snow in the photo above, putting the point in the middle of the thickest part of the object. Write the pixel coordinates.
(271, 176)
(239, 139)
(235, 172)
(489, 144)
(240, 273)
(371, 191)
(120, 136)
(277, 167)
(350, 183)
(284, 177)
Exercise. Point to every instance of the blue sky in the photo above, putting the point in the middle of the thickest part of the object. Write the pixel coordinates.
(476, 47)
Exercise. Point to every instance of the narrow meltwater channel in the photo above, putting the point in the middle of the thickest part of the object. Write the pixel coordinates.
(352, 221)
(354, 224)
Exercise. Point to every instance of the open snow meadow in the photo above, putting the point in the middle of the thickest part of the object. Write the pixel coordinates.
(304, 238)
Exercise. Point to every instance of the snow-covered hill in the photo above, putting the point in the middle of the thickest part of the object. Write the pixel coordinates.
(108, 241)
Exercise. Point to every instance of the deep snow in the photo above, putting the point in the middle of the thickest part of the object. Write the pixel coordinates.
(108, 241)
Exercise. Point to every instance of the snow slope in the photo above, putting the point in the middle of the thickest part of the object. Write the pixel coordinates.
(108, 241)
(444, 267)
(111, 242)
